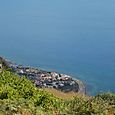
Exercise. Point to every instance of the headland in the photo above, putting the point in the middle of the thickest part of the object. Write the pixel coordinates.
(46, 79)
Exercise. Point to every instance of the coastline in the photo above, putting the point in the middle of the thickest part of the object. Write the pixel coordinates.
(82, 87)
(42, 78)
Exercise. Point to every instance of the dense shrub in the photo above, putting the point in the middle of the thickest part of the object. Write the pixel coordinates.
(109, 97)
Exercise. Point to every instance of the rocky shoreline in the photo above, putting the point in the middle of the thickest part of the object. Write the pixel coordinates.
(45, 79)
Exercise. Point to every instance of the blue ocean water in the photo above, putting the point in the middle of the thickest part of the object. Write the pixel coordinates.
(74, 37)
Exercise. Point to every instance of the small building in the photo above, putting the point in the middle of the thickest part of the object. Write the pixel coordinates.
(54, 74)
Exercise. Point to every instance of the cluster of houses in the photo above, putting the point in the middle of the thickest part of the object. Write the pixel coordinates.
(47, 79)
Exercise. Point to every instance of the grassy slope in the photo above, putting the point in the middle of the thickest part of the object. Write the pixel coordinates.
(62, 95)
(20, 96)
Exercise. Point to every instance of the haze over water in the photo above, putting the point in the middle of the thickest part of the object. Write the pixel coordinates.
(75, 37)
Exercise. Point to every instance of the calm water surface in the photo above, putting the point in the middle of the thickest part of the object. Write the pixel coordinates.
(76, 37)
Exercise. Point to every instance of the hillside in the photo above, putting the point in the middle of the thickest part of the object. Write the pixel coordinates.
(18, 96)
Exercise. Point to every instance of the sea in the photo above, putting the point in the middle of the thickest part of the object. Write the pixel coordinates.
(75, 37)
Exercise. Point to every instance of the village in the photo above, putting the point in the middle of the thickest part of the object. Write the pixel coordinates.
(45, 79)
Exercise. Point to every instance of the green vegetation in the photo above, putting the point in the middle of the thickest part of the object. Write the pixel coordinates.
(18, 96)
